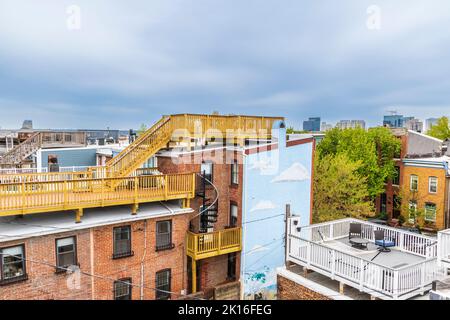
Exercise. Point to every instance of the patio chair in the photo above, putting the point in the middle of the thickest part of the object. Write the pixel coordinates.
(382, 242)
(355, 230)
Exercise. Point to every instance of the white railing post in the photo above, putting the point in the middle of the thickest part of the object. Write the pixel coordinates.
(395, 286)
(401, 241)
(438, 248)
(361, 277)
(331, 232)
(333, 264)
(422, 279)
(308, 254)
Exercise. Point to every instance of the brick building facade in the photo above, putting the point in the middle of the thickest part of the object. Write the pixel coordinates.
(221, 269)
(95, 253)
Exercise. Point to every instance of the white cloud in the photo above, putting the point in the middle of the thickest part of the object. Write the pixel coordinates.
(263, 205)
(296, 172)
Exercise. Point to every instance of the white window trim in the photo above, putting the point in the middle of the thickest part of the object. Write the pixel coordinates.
(435, 213)
(429, 184)
(411, 182)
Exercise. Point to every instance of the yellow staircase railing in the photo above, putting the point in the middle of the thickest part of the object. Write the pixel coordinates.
(195, 126)
(99, 186)
(48, 196)
(39, 140)
(211, 244)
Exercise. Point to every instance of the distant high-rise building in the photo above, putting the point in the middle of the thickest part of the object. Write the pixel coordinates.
(394, 121)
(312, 124)
(430, 122)
(325, 126)
(414, 124)
(351, 124)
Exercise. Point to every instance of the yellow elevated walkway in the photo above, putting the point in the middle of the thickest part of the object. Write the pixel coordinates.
(116, 183)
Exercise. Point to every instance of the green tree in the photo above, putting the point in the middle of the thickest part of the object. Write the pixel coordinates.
(339, 190)
(441, 130)
(291, 130)
(373, 149)
(142, 129)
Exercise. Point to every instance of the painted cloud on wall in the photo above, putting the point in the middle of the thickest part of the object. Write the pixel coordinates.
(257, 248)
(265, 165)
(263, 205)
(296, 172)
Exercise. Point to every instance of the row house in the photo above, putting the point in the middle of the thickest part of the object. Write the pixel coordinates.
(419, 193)
(127, 231)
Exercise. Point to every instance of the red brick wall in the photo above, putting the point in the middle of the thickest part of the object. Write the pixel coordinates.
(213, 270)
(289, 290)
(43, 283)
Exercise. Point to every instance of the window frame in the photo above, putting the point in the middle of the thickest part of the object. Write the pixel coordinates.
(234, 173)
(24, 275)
(164, 295)
(75, 253)
(396, 179)
(130, 287)
(122, 254)
(429, 184)
(411, 182)
(231, 224)
(210, 177)
(427, 204)
(411, 204)
(169, 245)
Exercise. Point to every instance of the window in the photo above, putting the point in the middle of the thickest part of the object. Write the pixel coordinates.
(235, 173)
(122, 242)
(414, 184)
(122, 289)
(231, 272)
(164, 235)
(66, 253)
(383, 202)
(412, 212)
(396, 179)
(12, 264)
(432, 184)
(206, 170)
(430, 212)
(163, 281)
(233, 214)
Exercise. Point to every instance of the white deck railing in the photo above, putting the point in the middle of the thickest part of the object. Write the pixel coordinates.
(305, 247)
(444, 247)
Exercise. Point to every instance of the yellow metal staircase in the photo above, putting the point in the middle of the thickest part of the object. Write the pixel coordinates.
(117, 183)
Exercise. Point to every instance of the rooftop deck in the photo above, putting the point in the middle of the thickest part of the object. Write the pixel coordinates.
(406, 271)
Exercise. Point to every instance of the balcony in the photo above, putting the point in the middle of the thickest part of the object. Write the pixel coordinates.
(36, 196)
(406, 271)
(206, 245)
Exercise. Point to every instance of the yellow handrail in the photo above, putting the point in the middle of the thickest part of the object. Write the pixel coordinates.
(205, 245)
(47, 196)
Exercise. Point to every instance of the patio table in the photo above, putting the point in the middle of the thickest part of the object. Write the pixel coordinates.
(359, 243)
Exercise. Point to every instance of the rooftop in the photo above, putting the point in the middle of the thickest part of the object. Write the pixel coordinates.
(13, 228)
(406, 271)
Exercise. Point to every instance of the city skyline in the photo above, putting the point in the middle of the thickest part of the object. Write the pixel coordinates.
(269, 59)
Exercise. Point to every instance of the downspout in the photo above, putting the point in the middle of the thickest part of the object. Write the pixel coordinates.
(143, 259)
(243, 214)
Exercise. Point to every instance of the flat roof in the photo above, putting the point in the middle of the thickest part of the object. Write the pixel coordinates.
(394, 259)
(33, 225)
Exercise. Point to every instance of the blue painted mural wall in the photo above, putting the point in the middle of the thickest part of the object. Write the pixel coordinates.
(271, 180)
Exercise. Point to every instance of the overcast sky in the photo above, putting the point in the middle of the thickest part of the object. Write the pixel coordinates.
(132, 61)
